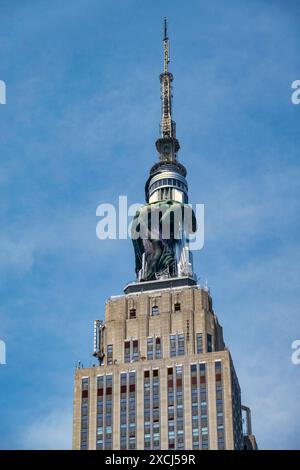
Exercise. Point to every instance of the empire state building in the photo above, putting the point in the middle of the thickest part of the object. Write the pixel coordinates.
(164, 378)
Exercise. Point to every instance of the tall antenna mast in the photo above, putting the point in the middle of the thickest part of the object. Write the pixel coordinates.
(166, 47)
(167, 145)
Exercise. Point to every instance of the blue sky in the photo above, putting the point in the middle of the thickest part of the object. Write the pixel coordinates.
(79, 128)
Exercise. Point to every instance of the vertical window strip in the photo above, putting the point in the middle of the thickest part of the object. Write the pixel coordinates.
(158, 352)
(147, 411)
(220, 405)
(204, 442)
(209, 343)
(150, 348)
(108, 412)
(154, 348)
(175, 408)
(104, 433)
(200, 435)
(100, 413)
(131, 350)
(109, 354)
(195, 407)
(132, 411)
(171, 408)
(156, 409)
(128, 410)
(123, 411)
(179, 408)
(173, 341)
(84, 429)
(177, 346)
(199, 343)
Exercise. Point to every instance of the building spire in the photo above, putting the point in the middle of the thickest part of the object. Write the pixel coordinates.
(167, 145)
(166, 46)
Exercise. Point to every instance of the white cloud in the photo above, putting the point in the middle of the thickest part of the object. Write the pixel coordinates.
(52, 431)
(16, 257)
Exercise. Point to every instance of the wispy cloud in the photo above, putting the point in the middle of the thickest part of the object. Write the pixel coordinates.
(48, 432)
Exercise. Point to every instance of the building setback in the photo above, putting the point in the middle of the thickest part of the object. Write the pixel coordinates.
(165, 378)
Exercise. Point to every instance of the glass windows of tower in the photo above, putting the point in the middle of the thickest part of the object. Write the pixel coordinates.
(127, 349)
(123, 411)
(135, 350)
(84, 414)
(219, 405)
(132, 313)
(180, 339)
(158, 354)
(100, 416)
(147, 412)
(104, 434)
(132, 410)
(177, 347)
(209, 343)
(131, 350)
(154, 311)
(199, 406)
(175, 408)
(179, 408)
(171, 411)
(108, 413)
(151, 409)
(177, 307)
(156, 409)
(128, 410)
(109, 354)
(150, 348)
(168, 182)
(173, 351)
(199, 343)
(153, 348)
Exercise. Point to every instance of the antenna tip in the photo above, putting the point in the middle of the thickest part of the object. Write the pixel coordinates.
(165, 28)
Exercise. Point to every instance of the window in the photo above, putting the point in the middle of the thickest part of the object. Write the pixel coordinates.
(109, 354)
(177, 307)
(151, 409)
(131, 350)
(199, 406)
(177, 347)
(135, 350)
(157, 348)
(219, 405)
(199, 343)
(132, 313)
(180, 351)
(127, 410)
(172, 345)
(127, 351)
(104, 420)
(150, 348)
(209, 343)
(84, 413)
(155, 310)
